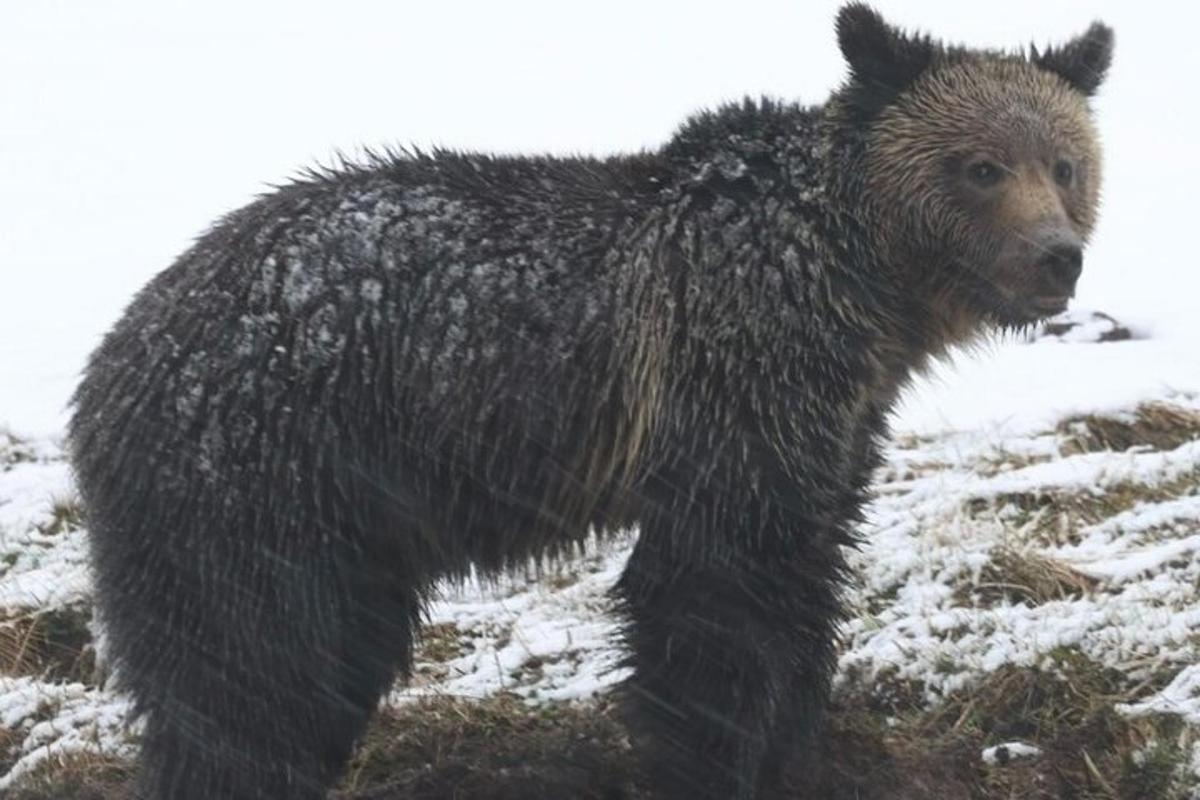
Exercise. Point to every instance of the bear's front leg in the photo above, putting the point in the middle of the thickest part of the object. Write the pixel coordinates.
(731, 615)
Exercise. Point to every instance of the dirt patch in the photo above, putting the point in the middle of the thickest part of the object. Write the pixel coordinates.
(504, 749)
(500, 748)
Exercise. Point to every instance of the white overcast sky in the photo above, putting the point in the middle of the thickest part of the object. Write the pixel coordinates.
(126, 126)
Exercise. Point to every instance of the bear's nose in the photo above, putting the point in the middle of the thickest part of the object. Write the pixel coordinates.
(1065, 262)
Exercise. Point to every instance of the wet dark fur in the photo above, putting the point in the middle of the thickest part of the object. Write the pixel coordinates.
(377, 377)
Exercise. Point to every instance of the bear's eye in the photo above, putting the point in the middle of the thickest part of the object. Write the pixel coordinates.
(1063, 173)
(985, 173)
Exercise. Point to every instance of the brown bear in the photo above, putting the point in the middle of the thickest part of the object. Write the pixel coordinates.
(386, 375)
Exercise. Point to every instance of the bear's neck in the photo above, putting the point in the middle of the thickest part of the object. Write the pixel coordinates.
(767, 195)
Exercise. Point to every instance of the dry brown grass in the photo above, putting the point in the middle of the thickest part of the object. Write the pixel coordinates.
(1066, 708)
(1089, 751)
(1024, 576)
(77, 777)
(1055, 516)
(66, 514)
(440, 642)
(1159, 426)
(53, 645)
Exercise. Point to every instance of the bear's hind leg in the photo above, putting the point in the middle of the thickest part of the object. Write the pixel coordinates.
(256, 683)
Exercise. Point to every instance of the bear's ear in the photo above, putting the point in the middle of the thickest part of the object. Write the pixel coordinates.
(880, 56)
(1083, 61)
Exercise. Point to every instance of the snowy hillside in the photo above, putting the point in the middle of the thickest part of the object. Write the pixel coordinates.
(1033, 594)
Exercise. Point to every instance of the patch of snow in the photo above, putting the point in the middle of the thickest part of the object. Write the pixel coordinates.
(1080, 326)
(56, 719)
(1139, 561)
(39, 570)
(1180, 697)
(530, 639)
(1096, 471)
(28, 492)
(1001, 754)
(924, 541)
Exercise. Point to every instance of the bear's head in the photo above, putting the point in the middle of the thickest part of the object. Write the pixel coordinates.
(981, 169)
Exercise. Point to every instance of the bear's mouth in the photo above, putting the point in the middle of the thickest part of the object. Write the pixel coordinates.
(1011, 305)
(1030, 310)
(1049, 304)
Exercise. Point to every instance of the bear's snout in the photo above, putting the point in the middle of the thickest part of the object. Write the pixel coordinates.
(1062, 264)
